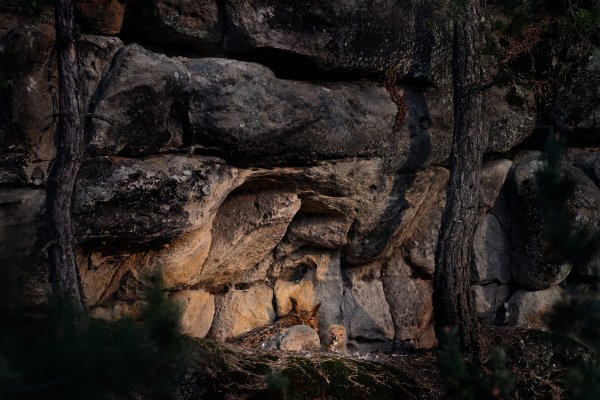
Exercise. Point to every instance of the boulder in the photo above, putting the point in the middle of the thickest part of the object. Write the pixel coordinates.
(489, 299)
(366, 311)
(183, 25)
(337, 35)
(295, 338)
(240, 311)
(575, 107)
(491, 252)
(318, 231)
(101, 17)
(303, 292)
(111, 211)
(492, 176)
(95, 54)
(410, 299)
(140, 107)
(418, 234)
(26, 114)
(533, 265)
(527, 309)
(246, 228)
(198, 311)
(260, 118)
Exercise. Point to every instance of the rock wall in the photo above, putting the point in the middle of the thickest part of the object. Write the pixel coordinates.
(251, 150)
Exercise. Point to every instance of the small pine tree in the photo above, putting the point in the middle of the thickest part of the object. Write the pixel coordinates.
(464, 381)
(577, 315)
(62, 353)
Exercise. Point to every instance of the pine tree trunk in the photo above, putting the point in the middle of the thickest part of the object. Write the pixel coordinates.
(69, 150)
(452, 306)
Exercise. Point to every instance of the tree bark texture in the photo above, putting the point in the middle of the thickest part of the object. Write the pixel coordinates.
(452, 306)
(69, 150)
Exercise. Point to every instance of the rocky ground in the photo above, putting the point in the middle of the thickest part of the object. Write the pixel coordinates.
(537, 362)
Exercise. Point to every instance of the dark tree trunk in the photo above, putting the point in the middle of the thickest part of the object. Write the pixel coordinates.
(69, 149)
(452, 304)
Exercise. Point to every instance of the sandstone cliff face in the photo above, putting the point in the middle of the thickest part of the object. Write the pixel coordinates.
(259, 160)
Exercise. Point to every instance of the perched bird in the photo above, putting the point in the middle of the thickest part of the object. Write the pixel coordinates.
(336, 338)
(296, 316)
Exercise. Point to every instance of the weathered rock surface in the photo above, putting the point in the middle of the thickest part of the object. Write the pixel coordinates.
(26, 116)
(176, 24)
(421, 222)
(526, 309)
(140, 105)
(198, 311)
(246, 228)
(112, 209)
(279, 172)
(240, 311)
(575, 108)
(366, 310)
(104, 17)
(491, 252)
(489, 299)
(338, 35)
(533, 266)
(492, 177)
(410, 300)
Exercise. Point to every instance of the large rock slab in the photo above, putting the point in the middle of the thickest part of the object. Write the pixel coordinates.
(141, 105)
(366, 311)
(527, 309)
(533, 265)
(26, 114)
(240, 311)
(112, 211)
(102, 17)
(488, 299)
(183, 25)
(198, 311)
(255, 115)
(246, 228)
(336, 35)
(491, 252)
(575, 107)
(410, 299)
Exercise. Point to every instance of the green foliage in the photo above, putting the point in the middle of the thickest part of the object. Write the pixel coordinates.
(583, 383)
(65, 354)
(278, 386)
(463, 380)
(577, 315)
(571, 17)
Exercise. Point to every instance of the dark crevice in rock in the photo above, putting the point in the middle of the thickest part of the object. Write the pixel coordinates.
(292, 66)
